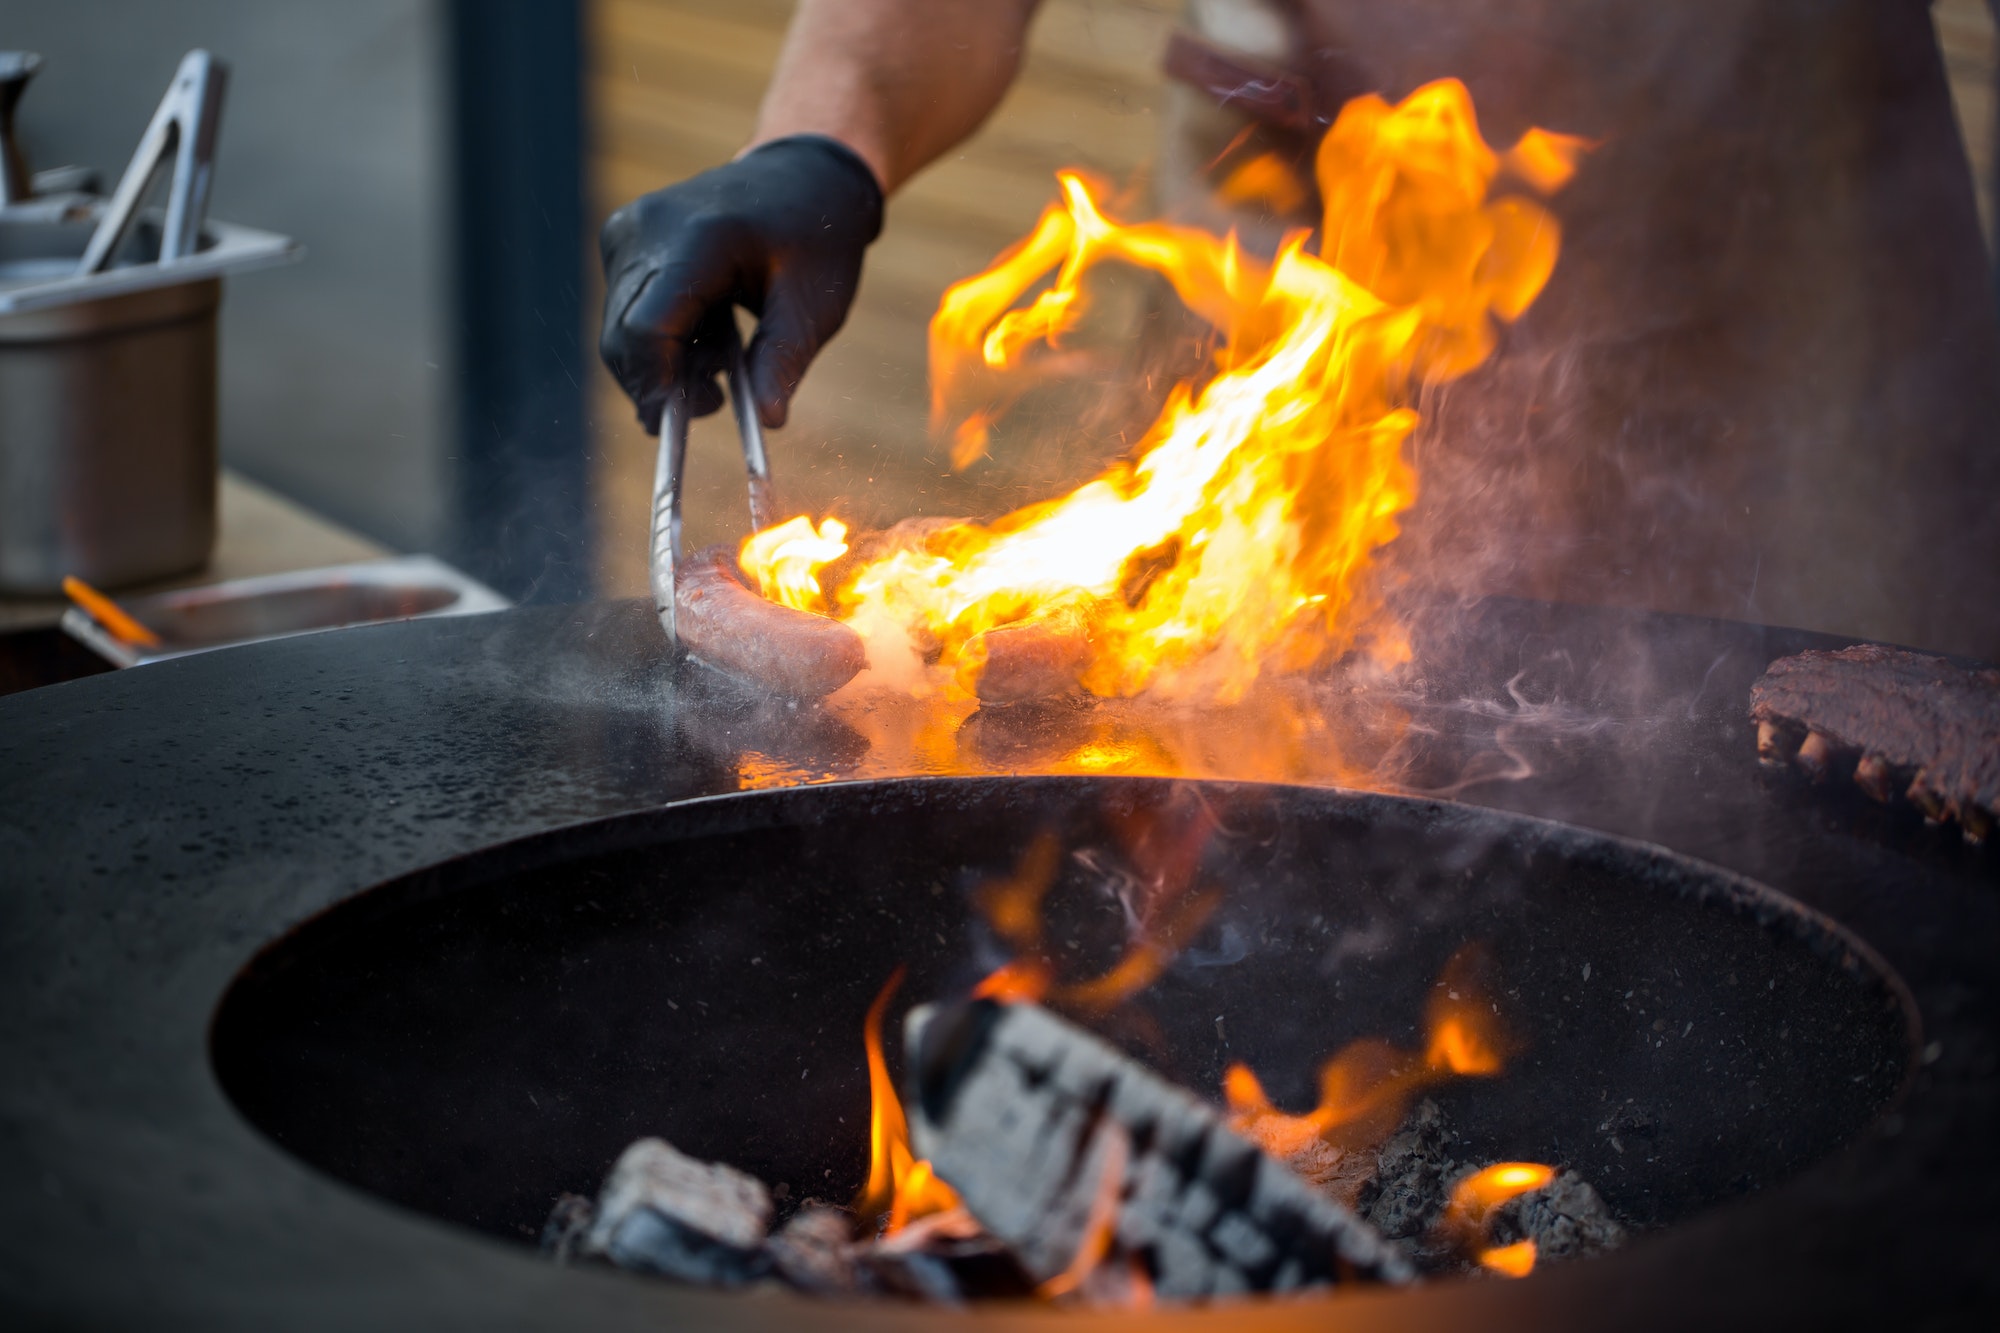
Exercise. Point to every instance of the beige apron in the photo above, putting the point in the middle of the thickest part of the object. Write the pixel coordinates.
(1764, 382)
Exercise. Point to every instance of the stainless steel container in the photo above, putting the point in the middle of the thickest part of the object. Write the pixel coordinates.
(276, 606)
(108, 361)
(107, 432)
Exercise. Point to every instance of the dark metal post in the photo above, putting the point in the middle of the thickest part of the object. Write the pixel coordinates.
(520, 478)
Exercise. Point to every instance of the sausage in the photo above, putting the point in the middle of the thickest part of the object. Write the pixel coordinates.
(1036, 659)
(725, 624)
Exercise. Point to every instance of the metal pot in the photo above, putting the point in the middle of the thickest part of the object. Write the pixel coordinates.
(107, 434)
(108, 361)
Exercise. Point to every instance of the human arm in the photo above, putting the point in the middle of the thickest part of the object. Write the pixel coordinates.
(865, 93)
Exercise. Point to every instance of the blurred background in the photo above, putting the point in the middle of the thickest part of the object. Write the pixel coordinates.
(426, 380)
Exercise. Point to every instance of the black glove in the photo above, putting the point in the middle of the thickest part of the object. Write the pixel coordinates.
(780, 231)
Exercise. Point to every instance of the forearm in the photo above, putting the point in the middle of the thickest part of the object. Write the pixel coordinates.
(898, 81)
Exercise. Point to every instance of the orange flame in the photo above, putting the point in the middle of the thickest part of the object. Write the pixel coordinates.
(1470, 1212)
(785, 560)
(1264, 179)
(1516, 1260)
(899, 1183)
(1012, 904)
(1239, 537)
(1162, 854)
(1466, 1037)
(1366, 1088)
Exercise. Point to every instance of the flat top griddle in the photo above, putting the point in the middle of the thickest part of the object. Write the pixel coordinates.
(158, 827)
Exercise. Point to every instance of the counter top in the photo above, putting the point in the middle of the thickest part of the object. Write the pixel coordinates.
(258, 532)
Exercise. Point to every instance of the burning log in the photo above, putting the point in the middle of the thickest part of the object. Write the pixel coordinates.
(1070, 1153)
(945, 1259)
(662, 1211)
(1564, 1219)
(732, 628)
(1924, 725)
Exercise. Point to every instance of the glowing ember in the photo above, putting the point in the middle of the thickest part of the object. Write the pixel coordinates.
(1238, 539)
(899, 1183)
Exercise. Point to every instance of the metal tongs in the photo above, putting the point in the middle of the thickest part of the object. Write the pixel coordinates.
(672, 467)
(183, 128)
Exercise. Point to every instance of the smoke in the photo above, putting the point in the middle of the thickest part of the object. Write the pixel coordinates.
(1752, 387)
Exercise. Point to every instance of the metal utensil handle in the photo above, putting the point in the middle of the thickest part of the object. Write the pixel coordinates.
(756, 461)
(185, 125)
(667, 475)
(16, 68)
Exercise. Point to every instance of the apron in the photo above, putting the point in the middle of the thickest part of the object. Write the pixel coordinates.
(1764, 380)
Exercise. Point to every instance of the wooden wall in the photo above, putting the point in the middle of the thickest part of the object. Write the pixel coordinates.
(674, 88)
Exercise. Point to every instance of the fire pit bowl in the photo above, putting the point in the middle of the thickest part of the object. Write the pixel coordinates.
(474, 1039)
(165, 828)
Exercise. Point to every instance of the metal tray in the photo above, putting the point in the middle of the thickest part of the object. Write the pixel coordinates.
(277, 606)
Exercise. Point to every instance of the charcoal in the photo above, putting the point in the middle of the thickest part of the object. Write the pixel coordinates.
(814, 1251)
(1565, 1218)
(1405, 1194)
(1031, 1119)
(569, 1222)
(1414, 1171)
(1900, 717)
(662, 1211)
(947, 1259)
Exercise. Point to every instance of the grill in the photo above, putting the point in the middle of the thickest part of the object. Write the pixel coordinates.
(400, 908)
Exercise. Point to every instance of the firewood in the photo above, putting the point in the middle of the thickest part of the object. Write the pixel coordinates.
(947, 1259)
(1032, 1120)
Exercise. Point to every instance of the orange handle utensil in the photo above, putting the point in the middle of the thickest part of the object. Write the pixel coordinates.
(109, 614)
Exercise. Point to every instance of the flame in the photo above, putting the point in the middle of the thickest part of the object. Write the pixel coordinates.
(1239, 536)
(1012, 904)
(1366, 1088)
(1466, 1036)
(1158, 855)
(1469, 1214)
(1017, 982)
(899, 1183)
(1483, 1191)
(785, 560)
(1516, 1260)
(1265, 179)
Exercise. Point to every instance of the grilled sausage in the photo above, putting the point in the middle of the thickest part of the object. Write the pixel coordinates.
(1037, 659)
(733, 629)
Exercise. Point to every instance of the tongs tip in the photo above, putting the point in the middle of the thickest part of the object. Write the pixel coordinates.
(671, 468)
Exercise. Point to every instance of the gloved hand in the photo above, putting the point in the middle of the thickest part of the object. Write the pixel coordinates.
(780, 231)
